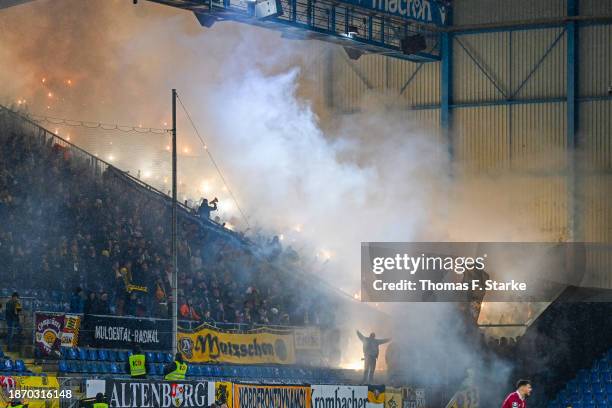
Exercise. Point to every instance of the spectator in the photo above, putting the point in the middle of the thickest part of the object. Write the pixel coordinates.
(205, 209)
(13, 308)
(370, 354)
(77, 302)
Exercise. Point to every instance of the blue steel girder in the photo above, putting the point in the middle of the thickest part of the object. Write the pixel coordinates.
(411, 78)
(372, 32)
(512, 93)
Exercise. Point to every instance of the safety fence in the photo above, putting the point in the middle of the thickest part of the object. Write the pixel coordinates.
(69, 392)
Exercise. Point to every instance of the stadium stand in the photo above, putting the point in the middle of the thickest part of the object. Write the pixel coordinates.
(591, 388)
(85, 237)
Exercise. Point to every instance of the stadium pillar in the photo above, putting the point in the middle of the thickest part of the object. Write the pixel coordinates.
(446, 90)
(174, 304)
(573, 208)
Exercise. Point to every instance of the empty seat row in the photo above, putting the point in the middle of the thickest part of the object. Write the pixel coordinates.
(202, 370)
(17, 366)
(89, 354)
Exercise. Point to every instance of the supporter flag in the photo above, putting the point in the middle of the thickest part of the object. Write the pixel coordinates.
(393, 397)
(376, 396)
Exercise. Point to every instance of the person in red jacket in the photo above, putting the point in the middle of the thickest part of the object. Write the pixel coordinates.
(517, 399)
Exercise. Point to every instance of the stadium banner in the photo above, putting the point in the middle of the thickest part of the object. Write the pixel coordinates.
(125, 332)
(465, 398)
(339, 396)
(70, 331)
(223, 391)
(376, 396)
(393, 397)
(261, 346)
(48, 332)
(413, 397)
(271, 396)
(307, 338)
(157, 394)
(36, 386)
(55, 330)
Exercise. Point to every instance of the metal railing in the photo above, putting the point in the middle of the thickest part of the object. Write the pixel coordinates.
(98, 167)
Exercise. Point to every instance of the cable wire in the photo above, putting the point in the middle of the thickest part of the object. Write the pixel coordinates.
(94, 125)
(246, 221)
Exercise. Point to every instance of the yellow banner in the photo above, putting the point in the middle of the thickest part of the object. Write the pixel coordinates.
(393, 397)
(223, 394)
(33, 383)
(277, 396)
(209, 344)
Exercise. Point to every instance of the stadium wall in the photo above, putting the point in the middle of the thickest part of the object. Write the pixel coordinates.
(517, 91)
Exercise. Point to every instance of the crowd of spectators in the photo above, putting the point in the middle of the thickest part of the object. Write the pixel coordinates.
(104, 241)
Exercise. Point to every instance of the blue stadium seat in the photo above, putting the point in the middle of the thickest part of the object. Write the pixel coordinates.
(78, 366)
(207, 370)
(600, 399)
(150, 357)
(193, 370)
(63, 366)
(168, 358)
(8, 365)
(160, 368)
(583, 377)
(216, 371)
(151, 369)
(122, 355)
(1, 353)
(102, 355)
(112, 355)
(159, 357)
(92, 354)
(90, 367)
(595, 378)
(83, 354)
(72, 353)
(114, 369)
(609, 388)
(20, 366)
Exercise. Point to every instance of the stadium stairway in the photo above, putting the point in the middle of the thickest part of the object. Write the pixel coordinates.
(591, 388)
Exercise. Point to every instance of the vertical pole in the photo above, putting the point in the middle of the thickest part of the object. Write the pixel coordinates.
(174, 304)
(446, 90)
(571, 30)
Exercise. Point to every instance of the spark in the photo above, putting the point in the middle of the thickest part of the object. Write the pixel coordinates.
(205, 187)
(186, 150)
(44, 80)
(111, 157)
(68, 137)
(146, 174)
(168, 148)
(298, 228)
(56, 132)
(69, 82)
(353, 365)
(50, 94)
(281, 237)
(325, 254)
